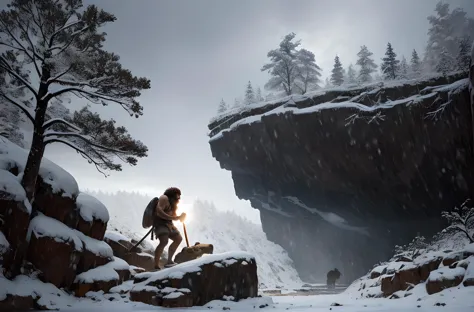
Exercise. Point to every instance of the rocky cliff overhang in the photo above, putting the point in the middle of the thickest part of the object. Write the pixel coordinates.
(342, 175)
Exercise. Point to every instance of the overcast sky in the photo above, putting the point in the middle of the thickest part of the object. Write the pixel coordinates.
(197, 52)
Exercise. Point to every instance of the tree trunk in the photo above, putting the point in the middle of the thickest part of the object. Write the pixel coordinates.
(35, 156)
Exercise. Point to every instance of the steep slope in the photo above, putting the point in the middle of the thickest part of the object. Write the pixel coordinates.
(342, 175)
(225, 230)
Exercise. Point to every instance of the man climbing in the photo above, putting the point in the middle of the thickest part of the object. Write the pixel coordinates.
(165, 214)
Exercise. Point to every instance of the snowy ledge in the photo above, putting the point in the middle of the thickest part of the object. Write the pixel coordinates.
(178, 271)
(10, 184)
(61, 181)
(116, 236)
(288, 105)
(91, 208)
(43, 226)
(105, 273)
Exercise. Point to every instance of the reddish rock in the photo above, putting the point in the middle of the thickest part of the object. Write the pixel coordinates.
(429, 266)
(193, 252)
(409, 276)
(119, 248)
(142, 260)
(17, 303)
(55, 205)
(95, 253)
(183, 285)
(390, 284)
(93, 216)
(15, 215)
(453, 257)
(444, 278)
(378, 271)
(102, 278)
(54, 249)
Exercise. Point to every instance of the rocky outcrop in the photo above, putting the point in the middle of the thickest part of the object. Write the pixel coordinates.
(342, 176)
(397, 279)
(197, 282)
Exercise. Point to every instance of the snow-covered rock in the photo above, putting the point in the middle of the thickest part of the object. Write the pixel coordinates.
(60, 181)
(199, 281)
(443, 278)
(93, 216)
(54, 249)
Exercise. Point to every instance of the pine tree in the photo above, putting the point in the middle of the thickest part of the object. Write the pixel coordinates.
(249, 94)
(222, 107)
(390, 64)
(337, 76)
(402, 72)
(259, 96)
(446, 63)
(367, 64)
(62, 45)
(445, 28)
(415, 65)
(283, 66)
(463, 58)
(351, 74)
(308, 73)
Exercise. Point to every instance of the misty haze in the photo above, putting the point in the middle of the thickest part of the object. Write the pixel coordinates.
(291, 155)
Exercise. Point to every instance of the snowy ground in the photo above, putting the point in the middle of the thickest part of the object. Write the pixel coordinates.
(459, 300)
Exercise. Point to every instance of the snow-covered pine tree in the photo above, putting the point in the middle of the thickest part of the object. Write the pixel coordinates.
(283, 65)
(61, 42)
(464, 54)
(461, 220)
(249, 94)
(402, 72)
(390, 63)
(351, 74)
(366, 63)
(446, 63)
(222, 107)
(237, 103)
(337, 76)
(309, 72)
(415, 65)
(445, 29)
(259, 96)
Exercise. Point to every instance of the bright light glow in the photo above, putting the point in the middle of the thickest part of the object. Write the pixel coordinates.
(186, 208)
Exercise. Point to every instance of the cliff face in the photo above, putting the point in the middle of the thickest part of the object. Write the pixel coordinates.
(342, 176)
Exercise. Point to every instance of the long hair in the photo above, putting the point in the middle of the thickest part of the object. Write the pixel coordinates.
(172, 193)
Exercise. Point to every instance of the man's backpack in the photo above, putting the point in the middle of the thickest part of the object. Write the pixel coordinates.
(149, 212)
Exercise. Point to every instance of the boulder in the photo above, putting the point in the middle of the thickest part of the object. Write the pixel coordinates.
(102, 278)
(142, 260)
(17, 303)
(469, 276)
(55, 205)
(197, 282)
(93, 216)
(95, 253)
(443, 278)
(428, 264)
(134, 270)
(54, 249)
(120, 243)
(377, 271)
(14, 221)
(193, 252)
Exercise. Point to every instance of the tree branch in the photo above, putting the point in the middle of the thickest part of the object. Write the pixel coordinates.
(55, 121)
(93, 94)
(4, 64)
(82, 137)
(22, 107)
(79, 150)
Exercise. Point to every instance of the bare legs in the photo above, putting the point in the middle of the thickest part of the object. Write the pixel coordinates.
(164, 239)
(177, 239)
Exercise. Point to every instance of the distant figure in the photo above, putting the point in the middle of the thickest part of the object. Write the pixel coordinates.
(332, 277)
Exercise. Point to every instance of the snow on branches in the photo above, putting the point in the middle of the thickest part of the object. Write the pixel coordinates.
(461, 220)
(52, 50)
